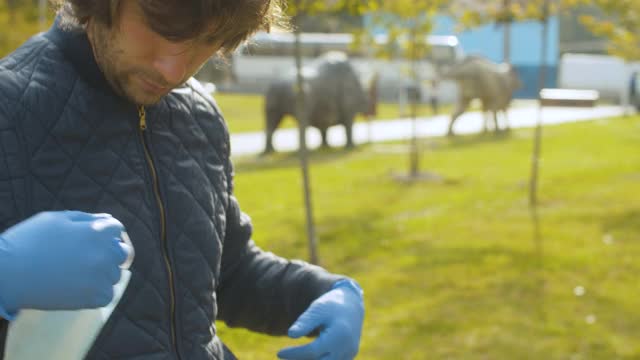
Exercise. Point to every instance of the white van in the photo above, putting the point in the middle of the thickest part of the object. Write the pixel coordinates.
(609, 75)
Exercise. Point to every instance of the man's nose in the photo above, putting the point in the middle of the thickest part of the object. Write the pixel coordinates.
(172, 68)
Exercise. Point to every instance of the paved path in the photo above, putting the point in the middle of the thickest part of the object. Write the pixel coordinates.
(401, 129)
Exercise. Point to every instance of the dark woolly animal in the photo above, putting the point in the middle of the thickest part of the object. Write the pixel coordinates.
(333, 95)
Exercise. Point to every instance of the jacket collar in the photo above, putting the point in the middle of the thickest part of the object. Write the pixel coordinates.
(76, 48)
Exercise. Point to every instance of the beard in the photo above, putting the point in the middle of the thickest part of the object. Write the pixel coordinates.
(121, 75)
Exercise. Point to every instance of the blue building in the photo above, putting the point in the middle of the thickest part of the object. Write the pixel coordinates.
(526, 43)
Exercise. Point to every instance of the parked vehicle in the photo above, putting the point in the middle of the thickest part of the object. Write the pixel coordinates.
(634, 90)
(608, 75)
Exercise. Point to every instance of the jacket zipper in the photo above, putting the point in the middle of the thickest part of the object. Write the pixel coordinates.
(142, 116)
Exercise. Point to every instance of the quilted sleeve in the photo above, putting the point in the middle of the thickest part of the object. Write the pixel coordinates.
(259, 290)
(4, 324)
(11, 171)
(9, 176)
(3, 335)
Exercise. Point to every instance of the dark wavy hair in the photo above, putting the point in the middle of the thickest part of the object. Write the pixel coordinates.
(233, 21)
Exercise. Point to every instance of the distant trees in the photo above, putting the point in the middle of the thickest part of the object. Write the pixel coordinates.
(472, 13)
(621, 28)
(408, 23)
(19, 20)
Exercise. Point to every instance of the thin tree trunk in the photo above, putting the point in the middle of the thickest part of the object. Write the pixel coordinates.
(12, 10)
(42, 14)
(303, 153)
(414, 160)
(506, 47)
(537, 140)
(533, 184)
(538, 244)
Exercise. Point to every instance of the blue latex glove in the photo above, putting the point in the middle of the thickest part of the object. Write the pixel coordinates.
(64, 260)
(338, 315)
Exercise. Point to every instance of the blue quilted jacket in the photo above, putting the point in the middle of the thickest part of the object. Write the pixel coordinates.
(67, 141)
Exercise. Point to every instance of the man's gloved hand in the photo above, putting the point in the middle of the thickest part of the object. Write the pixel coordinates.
(63, 260)
(338, 315)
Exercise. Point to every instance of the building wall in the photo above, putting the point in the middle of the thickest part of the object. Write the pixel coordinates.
(526, 42)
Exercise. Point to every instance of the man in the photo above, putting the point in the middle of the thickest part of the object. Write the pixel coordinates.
(100, 115)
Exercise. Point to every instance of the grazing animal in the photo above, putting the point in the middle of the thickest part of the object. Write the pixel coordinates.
(333, 95)
(493, 84)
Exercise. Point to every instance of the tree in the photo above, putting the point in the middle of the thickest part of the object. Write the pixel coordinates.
(507, 11)
(473, 13)
(408, 24)
(537, 139)
(299, 9)
(19, 20)
(541, 10)
(621, 28)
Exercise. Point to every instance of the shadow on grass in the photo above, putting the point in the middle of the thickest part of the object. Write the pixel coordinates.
(480, 138)
(628, 221)
(345, 242)
(279, 160)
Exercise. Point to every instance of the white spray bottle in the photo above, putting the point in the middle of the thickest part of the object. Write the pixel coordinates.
(63, 335)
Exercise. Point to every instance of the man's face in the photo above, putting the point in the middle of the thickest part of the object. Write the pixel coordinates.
(140, 64)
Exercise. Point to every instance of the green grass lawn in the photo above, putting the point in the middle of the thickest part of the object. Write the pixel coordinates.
(454, 270)
(245, 113)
